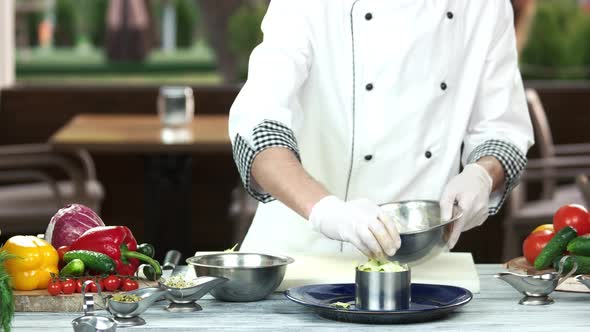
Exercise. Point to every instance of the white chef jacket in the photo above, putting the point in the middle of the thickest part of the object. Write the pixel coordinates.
(379, 99)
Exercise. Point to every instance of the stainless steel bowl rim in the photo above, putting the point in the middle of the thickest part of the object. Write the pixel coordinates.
(443, 223)
(285, 260)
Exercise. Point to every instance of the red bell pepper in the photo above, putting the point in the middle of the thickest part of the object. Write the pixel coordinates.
(118, 243)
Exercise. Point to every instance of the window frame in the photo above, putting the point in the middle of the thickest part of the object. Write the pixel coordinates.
(7, 46)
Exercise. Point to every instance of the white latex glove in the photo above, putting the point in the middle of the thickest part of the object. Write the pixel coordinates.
(359, 222)
(471, 189)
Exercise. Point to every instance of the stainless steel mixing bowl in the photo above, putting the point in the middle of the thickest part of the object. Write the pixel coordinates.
(423, 233)
(251, 276)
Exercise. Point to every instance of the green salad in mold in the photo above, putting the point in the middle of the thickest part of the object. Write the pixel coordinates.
(379, 265)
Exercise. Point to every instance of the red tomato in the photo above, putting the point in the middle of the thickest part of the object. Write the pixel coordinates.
(61, 251)
(92, 287)
(129, 285)
(54, 288)
(79, 283)
(572, 215)
(89, 288)
(534, 243)
(112, 283)
(68, 286)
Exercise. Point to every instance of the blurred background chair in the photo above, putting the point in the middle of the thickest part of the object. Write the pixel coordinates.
(560, 174)
(36, 181)
(583, 183)
(241, 211)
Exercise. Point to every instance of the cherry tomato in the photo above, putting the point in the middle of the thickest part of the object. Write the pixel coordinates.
(544, 227)
(572, 215)
(68, 286)
(129, 285)
(92, 287)
(80, 282)
(61, 251)
(112, 283)
(54, 287)
(534, 243)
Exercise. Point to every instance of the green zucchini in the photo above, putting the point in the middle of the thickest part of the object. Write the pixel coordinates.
(94, 261)
(74, 268)
(580, 246)
(556, 247)
(583, 264)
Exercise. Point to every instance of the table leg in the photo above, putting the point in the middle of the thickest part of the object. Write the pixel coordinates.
(168, 203)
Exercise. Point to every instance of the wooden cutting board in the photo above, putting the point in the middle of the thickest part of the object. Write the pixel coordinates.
(521, 265)
(40, 301)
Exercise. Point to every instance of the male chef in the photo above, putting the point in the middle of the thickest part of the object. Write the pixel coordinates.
(352, 104)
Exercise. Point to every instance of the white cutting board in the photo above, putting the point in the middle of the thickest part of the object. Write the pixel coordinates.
(455, 269)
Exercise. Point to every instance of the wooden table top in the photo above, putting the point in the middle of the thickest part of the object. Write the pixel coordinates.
(124, 133)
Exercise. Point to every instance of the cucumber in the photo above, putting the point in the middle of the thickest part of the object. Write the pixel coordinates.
(94, 261)
(583, 264)
(580, 246)
(74, 268)
(556, 247)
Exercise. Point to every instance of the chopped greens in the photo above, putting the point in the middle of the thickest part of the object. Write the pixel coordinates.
(376, 265)
(127, 298)
(232, 249)
(341, 305)
(177, 281)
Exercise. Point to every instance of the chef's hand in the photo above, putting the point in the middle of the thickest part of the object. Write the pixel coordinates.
(471, 190)
(360, 222)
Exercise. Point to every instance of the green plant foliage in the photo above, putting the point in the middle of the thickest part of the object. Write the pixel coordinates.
(6, 298)
(32, 21)
(245, 34)
(558, 43)
(97, 21)
(186, 21)
(65, 23)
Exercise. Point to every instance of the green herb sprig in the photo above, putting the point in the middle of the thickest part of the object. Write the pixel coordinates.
(6, 297)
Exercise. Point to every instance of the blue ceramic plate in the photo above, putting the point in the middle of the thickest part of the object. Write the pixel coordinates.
(428, 302)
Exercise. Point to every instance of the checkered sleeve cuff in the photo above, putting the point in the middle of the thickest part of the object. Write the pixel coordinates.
(265, 135)
(513, 161)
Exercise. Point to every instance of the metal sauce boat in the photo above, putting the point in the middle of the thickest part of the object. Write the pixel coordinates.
(583, 280)
(536, 288)
(90, 322)
(127, 313)
(183, 300)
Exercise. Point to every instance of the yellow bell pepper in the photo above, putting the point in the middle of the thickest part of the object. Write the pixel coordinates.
(35, 260)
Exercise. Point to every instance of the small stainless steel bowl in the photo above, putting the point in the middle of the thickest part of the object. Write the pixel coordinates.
(251, 276)
(422, 231)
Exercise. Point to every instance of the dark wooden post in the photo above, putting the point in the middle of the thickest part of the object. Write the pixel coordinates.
(128, 30)
(216, 15)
